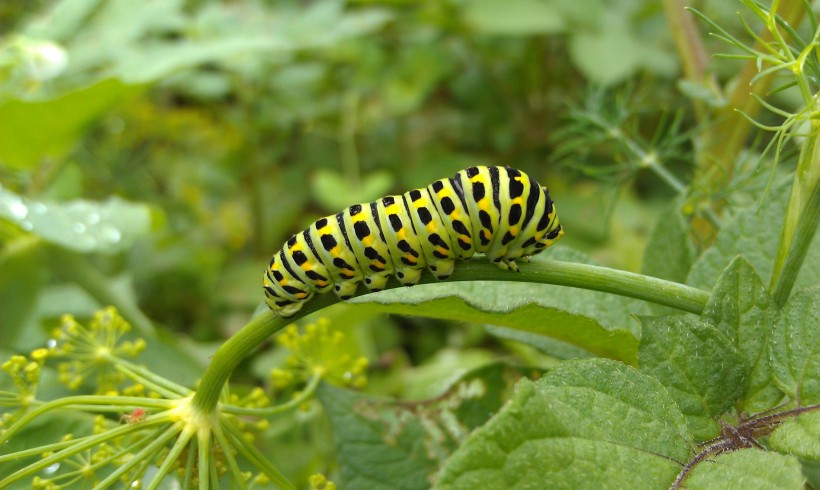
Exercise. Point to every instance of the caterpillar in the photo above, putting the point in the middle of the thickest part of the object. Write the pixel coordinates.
(498, 211)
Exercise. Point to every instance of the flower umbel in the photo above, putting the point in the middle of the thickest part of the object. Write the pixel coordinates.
(318, 352)
(93, 351)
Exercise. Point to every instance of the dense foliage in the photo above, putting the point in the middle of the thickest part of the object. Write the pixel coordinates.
(154, 154)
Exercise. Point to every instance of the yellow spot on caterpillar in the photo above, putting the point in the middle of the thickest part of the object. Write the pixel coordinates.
(484, 204)
(401, 234)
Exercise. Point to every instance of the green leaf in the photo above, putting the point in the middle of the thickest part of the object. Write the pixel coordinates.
(597, 322)
(83, 226)
(33, 131)
(755, 235)
(382, 443)
(587, 424)
(669, 253)
(376, 442)
(747, 469)
(513, 17)
(698, 365)
(741, 308)
(799, 436)
(794, 348)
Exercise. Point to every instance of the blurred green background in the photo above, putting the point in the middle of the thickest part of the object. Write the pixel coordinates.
(154, 154)
(231, 125)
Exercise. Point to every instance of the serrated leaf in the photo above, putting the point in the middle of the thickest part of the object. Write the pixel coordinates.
(597, 322)
(799, 437)
(513, 17)
(377, 444)
(586, 424)
(31, 131)
(382, 443)
(697, 364)
(755, 236)
(794, 348)
(741, 308)
(84, 226)
(747, 469)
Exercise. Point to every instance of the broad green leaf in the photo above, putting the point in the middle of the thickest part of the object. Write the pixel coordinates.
(794, 348)
(83, 226)
(597, 322)
(513, 17)
(755, 235)
(745, 469)
(698, 365)
(31, 131)
(384, 444)
(799, 437)
(669, 253)
(586, 424)
(741, 308)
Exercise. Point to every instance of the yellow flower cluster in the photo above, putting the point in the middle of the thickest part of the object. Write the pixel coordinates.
(93, 351)
(318, 351)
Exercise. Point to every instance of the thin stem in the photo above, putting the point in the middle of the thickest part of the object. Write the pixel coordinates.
(800, 224)
(583, 276)
(303, 396)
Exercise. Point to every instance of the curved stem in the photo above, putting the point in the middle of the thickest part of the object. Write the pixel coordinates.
(572, 274)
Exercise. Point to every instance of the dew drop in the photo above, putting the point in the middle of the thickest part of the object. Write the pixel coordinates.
(92, 218)
(38, 208)
(111, 235)
(50, 470)
(79, 228)
(18, 209)
(52, 343)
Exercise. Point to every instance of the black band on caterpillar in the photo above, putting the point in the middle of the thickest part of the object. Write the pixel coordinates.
(497, 211)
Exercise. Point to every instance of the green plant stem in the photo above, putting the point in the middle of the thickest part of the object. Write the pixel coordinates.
(74, 267)
(667, 293)
(800, 225)
(231, 353)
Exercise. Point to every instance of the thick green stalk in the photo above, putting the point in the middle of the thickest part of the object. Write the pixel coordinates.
(802, 216)
(667, 293)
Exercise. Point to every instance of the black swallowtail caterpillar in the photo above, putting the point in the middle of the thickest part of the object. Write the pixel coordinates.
(498, 211)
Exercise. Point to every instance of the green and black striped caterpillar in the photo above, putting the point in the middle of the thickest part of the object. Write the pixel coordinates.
(498, 211)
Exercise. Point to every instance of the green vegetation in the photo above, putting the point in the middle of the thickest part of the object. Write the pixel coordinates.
(154, 154)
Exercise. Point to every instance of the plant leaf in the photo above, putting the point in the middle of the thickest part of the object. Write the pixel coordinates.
(698, 365)
(31, 131)
(382, 443)
(84, 226)
(586, 424)
(598, 322)
(755, 235)
(794, 349)
(799, 436)
(746, 469)
(741, 308)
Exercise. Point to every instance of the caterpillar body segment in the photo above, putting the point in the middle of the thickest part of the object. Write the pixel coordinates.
(498, 211)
